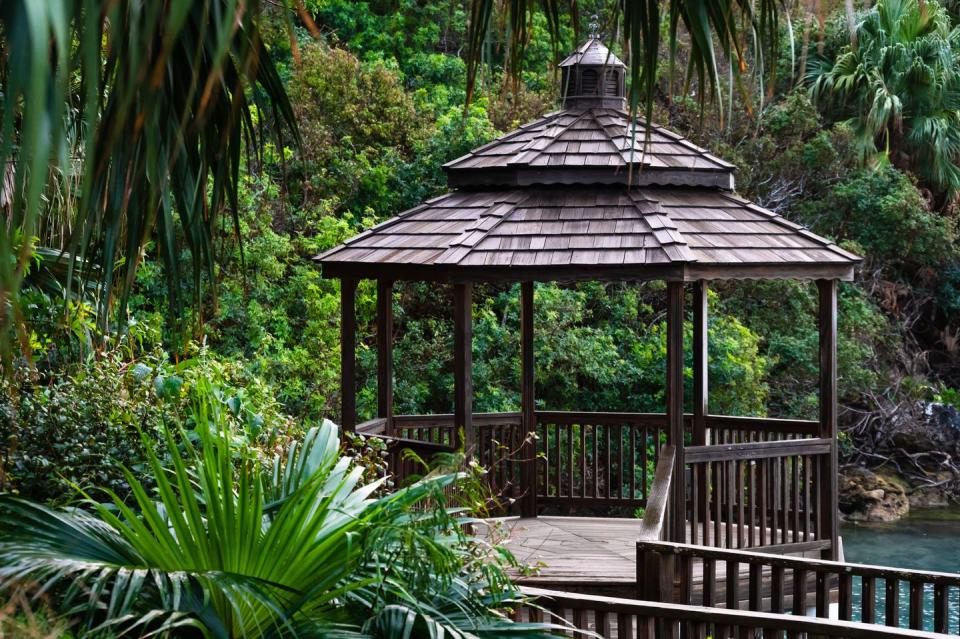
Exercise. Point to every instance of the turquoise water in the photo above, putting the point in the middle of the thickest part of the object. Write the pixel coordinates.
(925, 540)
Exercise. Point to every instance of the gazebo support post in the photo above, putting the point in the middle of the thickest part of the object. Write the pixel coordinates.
(700, 363)
(385, 353)
(827, 482)
(463, 367)
(678, 511)
(348, 353)
(528, 415)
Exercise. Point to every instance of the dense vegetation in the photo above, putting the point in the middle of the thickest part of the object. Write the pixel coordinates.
(378, 91)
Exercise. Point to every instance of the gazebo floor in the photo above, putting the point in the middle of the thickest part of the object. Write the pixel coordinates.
(590, 555)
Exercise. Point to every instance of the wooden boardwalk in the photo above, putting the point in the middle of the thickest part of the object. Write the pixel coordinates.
(577, 554)
(592, 555)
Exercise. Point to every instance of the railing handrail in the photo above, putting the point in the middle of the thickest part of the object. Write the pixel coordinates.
(798, 563)
(725, 616)
(445, 420)
(651, 527)
(756, 450)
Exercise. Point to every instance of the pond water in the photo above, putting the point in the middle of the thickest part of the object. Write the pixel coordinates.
(924, 540)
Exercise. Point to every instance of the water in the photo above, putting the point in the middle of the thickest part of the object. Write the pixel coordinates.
(924, 540)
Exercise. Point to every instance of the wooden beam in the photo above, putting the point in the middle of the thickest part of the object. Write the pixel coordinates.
(348, 353)
(463, 365)
(385, 352)
(700, 363)
(528, 467)
(675, 300)
(827, 293)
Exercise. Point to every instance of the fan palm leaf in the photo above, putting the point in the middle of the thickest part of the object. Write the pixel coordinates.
(234, 550)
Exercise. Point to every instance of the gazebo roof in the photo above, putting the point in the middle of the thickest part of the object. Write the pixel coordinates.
(590, 146)
(584, 193)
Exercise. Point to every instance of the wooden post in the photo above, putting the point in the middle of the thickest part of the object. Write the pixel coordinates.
(463, 366)
(700, 364)
(385, 352)
(678, 510)
(348, 353)
(528, 414)
(827, 489)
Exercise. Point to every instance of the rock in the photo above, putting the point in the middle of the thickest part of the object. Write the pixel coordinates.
(867, 496)
(929, 498)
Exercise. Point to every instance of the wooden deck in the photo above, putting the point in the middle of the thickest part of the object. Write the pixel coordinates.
(577, 554)
(592, 555)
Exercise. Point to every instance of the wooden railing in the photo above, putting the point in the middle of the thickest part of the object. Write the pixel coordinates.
(596, 459)
(777, 583)
(629, 618)
(758, 494)
(756, 471)
(725, 429)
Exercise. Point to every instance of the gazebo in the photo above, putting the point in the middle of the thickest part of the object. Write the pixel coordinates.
(587, 193)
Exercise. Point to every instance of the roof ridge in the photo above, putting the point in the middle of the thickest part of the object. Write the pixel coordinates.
(663, 228)
(463, 244)
(534, 153)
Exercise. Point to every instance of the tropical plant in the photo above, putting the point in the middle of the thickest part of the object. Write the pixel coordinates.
(900, 88)
(154, 101)
(233, 548)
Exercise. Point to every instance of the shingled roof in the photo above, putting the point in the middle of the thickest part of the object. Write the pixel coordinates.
(585, 193)
(590, 146)
(580, 232)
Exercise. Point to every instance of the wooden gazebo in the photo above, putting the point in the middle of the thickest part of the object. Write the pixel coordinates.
(586, 193)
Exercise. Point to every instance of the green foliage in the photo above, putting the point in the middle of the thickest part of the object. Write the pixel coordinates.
(883, 212)
(79, 426)
(152, 129)
(233, 550)
(598, 347)
(899, 87)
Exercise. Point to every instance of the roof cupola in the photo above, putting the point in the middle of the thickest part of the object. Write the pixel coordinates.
(593, 77)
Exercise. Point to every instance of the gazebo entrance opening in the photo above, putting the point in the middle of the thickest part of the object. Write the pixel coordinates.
(590, 194)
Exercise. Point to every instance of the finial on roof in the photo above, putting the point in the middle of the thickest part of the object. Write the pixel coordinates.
(594, 27)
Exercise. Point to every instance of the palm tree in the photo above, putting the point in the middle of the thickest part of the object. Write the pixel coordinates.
(300, 550)
(899, 87)
(154, 101)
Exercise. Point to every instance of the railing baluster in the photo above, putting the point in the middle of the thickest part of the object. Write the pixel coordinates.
(795, 484)
(845, 596)
(941, 608)
(728, 496)
(583, 460)
(717, 503)
(892, 604)
(799, 591)
(570, 463)
(756, 585)
(709, 582)
(733, 585)
(868, 599)
(916, 605)
(776, 589)
(643, 461)
(633, 460)
(740, 487)
(823, 593)
(609, 471)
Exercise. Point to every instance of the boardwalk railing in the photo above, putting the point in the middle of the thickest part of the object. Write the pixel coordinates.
(596, 459)
(629, 618)
(753, 485)
(777, 583)
(758, 494)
